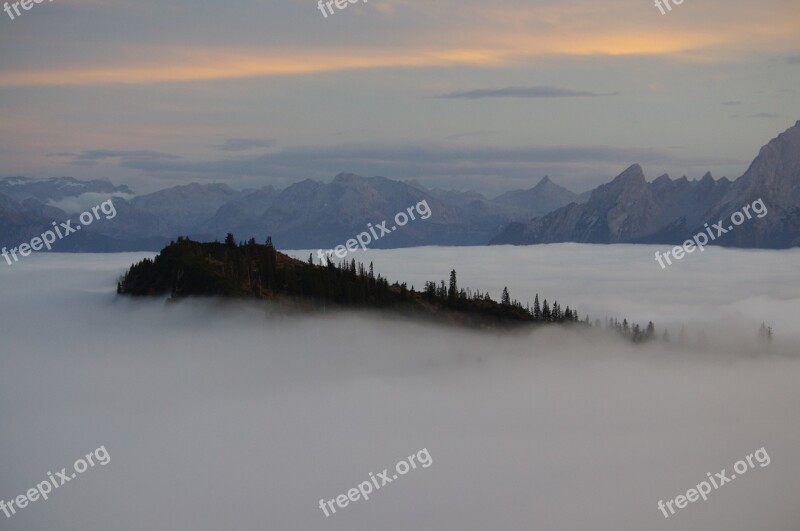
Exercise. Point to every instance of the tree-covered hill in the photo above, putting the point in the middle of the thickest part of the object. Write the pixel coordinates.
(186, 268)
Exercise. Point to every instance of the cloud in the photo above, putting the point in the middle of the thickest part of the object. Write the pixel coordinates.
(94, 156)
(793, 60)
(468, 134)
(242, 144)
(83, 202)
(204, 65)
(542, 91)
(265, 415)
(392, 158)
(733, 102)
(196, 41)
(483, 168)
(758, 115)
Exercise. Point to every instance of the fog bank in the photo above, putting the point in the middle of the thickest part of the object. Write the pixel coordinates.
(216, 417)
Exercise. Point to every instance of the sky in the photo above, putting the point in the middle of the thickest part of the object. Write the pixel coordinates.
(216, 416)
(461, 94)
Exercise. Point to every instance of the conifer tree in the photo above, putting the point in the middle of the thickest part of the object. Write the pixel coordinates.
(452, 292)
(505, 299)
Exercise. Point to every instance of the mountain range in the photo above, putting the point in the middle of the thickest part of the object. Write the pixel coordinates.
(307, 214)
(631, 210)
(313, 214)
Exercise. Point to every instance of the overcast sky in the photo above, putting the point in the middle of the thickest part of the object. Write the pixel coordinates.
(455, 93)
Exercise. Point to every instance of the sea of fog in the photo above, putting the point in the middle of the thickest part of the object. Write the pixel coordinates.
(216, 416)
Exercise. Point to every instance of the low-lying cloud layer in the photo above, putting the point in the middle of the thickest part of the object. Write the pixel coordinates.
(522, 92)
(217, 417)
(436, 162)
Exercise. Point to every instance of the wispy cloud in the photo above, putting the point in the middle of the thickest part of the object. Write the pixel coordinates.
(126, 157)
(469, 134)
(242, 144)
(541, 91)
(758, 115)
(793, 60)
(195, 41)
(733, 102)
(444, 164)
(409, 158)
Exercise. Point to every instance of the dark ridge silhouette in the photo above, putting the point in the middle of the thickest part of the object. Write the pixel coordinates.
(186, 268)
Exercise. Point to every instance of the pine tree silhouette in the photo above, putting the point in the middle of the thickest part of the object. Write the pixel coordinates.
(505, 299)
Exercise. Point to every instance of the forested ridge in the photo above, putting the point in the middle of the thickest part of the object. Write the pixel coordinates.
(186, 268)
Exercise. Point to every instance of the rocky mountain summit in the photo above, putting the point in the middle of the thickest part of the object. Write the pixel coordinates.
(631, 210)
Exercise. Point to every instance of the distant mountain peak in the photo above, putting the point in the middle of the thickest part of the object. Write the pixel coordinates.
(348, 178)
(545, 197)
(774, 175)
(629, 210)
(634, 171)
(633, 175)
(416, 184)
(663, 179)
(787, 140)
(206, 186)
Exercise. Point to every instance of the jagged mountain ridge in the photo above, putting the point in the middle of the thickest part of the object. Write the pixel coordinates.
(314, 214)
(631, 210)
(306, 214)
